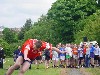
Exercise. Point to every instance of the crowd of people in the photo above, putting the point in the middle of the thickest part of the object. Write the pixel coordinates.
(35, 51)
(75, 56)
(83, 55)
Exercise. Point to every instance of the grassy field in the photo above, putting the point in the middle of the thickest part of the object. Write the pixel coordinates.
(90, 71)
(33, 71)
(94, 71)
(50, 71)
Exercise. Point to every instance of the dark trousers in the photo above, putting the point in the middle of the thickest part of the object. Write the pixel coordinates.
(87, 61)
(1, 63)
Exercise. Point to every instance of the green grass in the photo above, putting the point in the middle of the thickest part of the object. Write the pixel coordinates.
(33, 71)
(43, 71)
(94, 71)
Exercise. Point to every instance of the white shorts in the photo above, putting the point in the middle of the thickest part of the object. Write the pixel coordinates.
(75, 56)
(62, 57)
(55, 58)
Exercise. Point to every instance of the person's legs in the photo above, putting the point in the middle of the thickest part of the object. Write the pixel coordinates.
(46, 64)
(92, 59)
(87, 61)
(18, 62)
(82, 62)
(38, 62)
(53, 63)
(79, 62)
(66, 62)
(92, 62)
(56, 62)
(99, 61)
(24, 67)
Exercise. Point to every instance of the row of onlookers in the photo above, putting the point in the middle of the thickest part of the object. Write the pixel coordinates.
(83, 55)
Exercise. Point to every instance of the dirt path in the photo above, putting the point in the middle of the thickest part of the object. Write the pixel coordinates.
(74, 71)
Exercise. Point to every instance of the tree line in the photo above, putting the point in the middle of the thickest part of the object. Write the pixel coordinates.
(67, 21)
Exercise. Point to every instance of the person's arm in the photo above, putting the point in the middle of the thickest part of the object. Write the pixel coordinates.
(99, 52)
(25, 54)
(56, 49)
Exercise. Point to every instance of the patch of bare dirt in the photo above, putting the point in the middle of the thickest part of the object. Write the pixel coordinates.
(64, 71)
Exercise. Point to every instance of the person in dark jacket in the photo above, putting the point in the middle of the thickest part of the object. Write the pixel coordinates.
(1, 57)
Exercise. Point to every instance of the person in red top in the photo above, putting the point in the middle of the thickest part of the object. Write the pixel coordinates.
(30, 50)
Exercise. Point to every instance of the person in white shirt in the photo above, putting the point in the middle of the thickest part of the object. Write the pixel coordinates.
(55, 59)
(96, 55)
(68, 50)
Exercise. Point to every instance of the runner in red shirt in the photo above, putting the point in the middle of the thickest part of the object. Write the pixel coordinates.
(30, 50)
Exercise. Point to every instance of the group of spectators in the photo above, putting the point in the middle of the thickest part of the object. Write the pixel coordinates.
(67, 55)
(83, 55)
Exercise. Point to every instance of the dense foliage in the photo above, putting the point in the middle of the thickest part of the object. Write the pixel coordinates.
(91, 28)
(68, 21)
(67, 14)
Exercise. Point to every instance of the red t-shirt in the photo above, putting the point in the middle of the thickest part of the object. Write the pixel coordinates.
(32, 53)
(84, 50)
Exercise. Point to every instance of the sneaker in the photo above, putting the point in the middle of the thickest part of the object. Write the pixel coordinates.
(82, 66)
(92, 66)
(78, 66)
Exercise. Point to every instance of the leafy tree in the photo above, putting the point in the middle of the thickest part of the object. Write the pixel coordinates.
(5, 46)
(42, 30)
(67, 14)
(9, 35)
(25, 28)
(91, 28)
(27, 25)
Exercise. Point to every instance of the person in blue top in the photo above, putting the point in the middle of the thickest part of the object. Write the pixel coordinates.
(92, 49)
(16, 53)
(62, 55)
